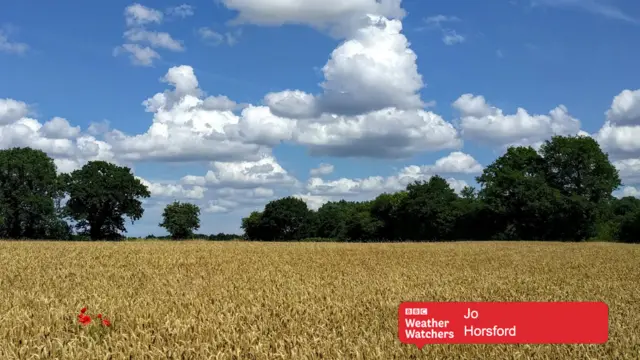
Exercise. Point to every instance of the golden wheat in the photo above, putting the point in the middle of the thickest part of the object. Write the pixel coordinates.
(244, 300)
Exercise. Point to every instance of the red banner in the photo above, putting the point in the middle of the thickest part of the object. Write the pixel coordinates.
(423, 323)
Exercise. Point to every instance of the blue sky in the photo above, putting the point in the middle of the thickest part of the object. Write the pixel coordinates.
(240, 95)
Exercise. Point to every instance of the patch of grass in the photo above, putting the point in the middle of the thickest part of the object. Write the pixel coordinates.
(247, 300)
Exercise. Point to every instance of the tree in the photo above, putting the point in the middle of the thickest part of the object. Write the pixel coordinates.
(181, 219)
(28, 189)
(386, 209)
(517, 195)
(252, 226)
(285, 219)
(428, 210)
(576, 165)
(360, 225)
(100, 195)
(331, 220)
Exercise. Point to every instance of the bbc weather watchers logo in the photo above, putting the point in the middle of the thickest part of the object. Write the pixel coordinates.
(416, 311)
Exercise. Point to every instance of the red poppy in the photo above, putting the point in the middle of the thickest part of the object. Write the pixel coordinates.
(83, 310)
(99, 316)
(106, 322)
(84, 319)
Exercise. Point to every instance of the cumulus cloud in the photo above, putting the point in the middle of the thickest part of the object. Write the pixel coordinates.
(171, 190)
(438, 22)
(337, 16)
(370, 105)
(141, 41)
(374, 69)
(629, 191)
(142, 56)
(322, 169)
(154, 38)
(66, 144)
(629, 170)
(12, 110)
(314, 202)
(59, 128)
(625, 108)
(185, 127)
(455, 163)
(181, 11)
(451, 37)
(137, 15)
(243, 175)
(388, 133)
(212, 37)
(488, 124)
(620, 134)
(318, 191)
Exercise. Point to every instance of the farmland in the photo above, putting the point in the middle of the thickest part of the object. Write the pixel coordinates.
(251, 300)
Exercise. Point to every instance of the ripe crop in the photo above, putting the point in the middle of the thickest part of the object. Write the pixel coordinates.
(248, 300)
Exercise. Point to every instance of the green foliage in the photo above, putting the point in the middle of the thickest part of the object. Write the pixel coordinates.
(181, 219)
(562, 192)
(101, 194)
(252, 226)
(29, 188)
(285, 219)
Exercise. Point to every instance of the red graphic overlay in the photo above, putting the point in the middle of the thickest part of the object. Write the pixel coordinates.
(423, 323)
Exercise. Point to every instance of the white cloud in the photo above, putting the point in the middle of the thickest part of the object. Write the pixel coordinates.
(319, 191)
(142, 56)
(629, 170)
(620, 134)
(243, 175)
(12, 110)
(485, 123)
(367, 188)
(314, 202)
(370, 105)
(220, 102)
(137, 18)
(451, 37)
(215, 38)
(185, 127)
(154, 38)
(322, 169)
(211, 36)
(12, 47)
(59, 128)
(438, 20)
(182, 11)
(136, 15)
(625, 108)
(374, 69)
(338, 16)
(629, 191)
(455, 163)
(388, 133)
(176, 191)
(66, 144)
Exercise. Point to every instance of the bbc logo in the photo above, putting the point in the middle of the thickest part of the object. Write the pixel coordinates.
(416, 311)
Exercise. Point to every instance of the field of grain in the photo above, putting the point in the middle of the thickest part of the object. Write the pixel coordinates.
(245, 300)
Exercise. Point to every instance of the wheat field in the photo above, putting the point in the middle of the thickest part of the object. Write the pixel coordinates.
(246, 300)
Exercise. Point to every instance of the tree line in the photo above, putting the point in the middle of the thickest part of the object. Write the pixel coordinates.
(89, 203)
(563, 192)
